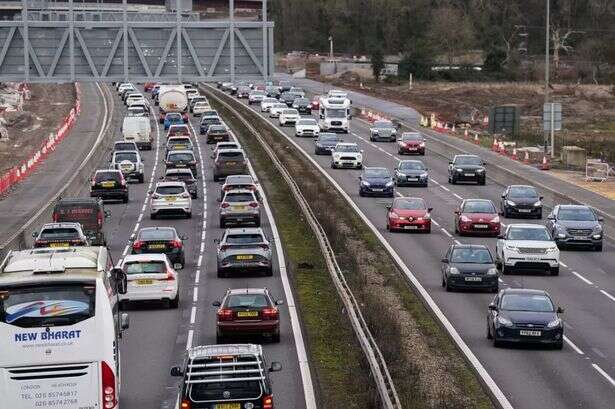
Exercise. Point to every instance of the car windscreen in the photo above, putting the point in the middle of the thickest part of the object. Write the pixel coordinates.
(347, 148)
(183, 157)
(59, 233)
(411, 137)
(170, 190)
(257, 93)
(302, 101)
(376, 173)
(142, 267)
(107, 176)
(382, 125)
(230, 155)
(534, 234)
(411, 166)
(217, 129)
(307, 122)
(478, 207)
(157, 234)
(328, 138)
(468, 160)
(227, 145)
(243, 239)
(238, 197)
(336, 113)
(173, 117)
(211, 121)
(247, 301)
(522, 191)
(50, 305)
(129, 156)
(409, 204)
(577, 214)
(471, 255)
(526, 302)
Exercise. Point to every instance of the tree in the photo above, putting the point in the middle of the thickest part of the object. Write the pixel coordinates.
(451, 32)
(377, 62)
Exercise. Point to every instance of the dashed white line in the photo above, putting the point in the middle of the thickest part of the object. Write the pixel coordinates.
(197, 276)
(195, 294)
(582, 278)
(435, 222)
(445, 232)
(193, 315)
(562, 264)
(445, 188)
(608, 295)
(457, 242)
(457, 196)
(198, 263)
(604, 374)
(573, 346)
(189, 340)
(202, 247)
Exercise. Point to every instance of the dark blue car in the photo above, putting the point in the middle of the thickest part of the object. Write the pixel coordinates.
(376, 182)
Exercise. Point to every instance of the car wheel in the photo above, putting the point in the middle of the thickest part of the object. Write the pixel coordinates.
(269, 272)
(174, 303)
(275, 337)
(428, 230)
(489, 336)
(125, 199)
(152, 216)
(195, 196)
(222, 223)
(482, 181)
(598, 247)
(558, 345)
(496, 342)
(539, 216)
(124, 305)
(182, 262)
(555, 271)
(188, 215)
(447, 286)
(443, 282)
(453, 181)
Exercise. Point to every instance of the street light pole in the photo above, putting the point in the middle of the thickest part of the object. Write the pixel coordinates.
(331, 48)
(547, 60)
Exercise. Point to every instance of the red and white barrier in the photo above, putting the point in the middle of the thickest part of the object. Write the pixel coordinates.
(22, 171)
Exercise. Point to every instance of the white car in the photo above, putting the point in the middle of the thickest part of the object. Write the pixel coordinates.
(347, 155)
(200, 107)
(276, 109)
(256, 96)
(133, 100)
(170, 198)
(267, 103)
(129, 163)
(527, 247)
(288, 116)
(151, 277)
(125, 87)
(307, 127)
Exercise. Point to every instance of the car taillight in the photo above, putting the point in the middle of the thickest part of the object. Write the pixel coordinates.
(170, 276)
(123, 182)
(99, 218)
(137, 245)
(264, 246)
(56, 217)
(108, 386)
(225, 314)
(224, 205)
(176, 244)
(185, 404)
(270, 313)
(268, 402)
(253, 204)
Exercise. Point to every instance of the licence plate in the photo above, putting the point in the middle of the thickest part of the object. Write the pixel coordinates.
(180, 147)
(474, 279)
(411, 149)
(469, 174)
(524, 210)
(533, 258)
(411, 227)
(527, 333)
(231, 163)
(243, 314)
(481, 226)
(170, 198)
(108, 184)
(412, 179)
(239, 208)
(58, 244)
(145, 282)
(181, 165)
(378, 190)
(245, 257)
(579, 238)
(156, 246)
(227, 406)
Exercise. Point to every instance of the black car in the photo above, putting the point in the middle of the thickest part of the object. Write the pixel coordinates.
(376, 182)
(181, 160)
(467, 168)
(288, 98)
(109, 184)
(243, 91)
(411, 173)
(163, 240)
(576, 225)
(521, 201)
(525, 316)
(469, 266)
(324, 144)
(303, 105)
(207, 121)
(285, 86)
(183, 175)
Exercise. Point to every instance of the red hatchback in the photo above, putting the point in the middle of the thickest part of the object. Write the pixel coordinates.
(477, 216)
(149, 86)
(409, 213)
(248, 311)
(410, 143)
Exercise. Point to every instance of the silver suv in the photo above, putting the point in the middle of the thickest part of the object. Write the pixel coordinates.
(244, 250)
(170, 198)
(240, 207)
(129, 163)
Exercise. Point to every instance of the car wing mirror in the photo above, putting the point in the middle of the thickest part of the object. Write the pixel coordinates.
(275, 367)
(503, 196)
(34, 234)
(501, 236)
(279, 302)
(176, 371)
(107, 214)
(124, 321)
(429, 209)
(600, 218)
(450, 162)
(120, 279)
(456, 211)
(445, 260)
(550, 217)
(493, 307)
(216, 303)
(541, 198)
(183, 238)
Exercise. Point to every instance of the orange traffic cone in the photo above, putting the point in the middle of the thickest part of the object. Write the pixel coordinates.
(465, 134)
(526, 158)
(545, 163)
(495, 147)
(502, 148)
(453, 128)
(476, 140)
(514, 154)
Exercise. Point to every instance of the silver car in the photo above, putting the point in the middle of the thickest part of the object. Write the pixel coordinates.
(383, 131)
(242, 251)
(170, 198)
(243, 182)
(129, 163)
(240, 207)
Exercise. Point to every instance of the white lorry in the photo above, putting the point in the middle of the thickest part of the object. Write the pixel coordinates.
(60, 328)
(172, 98)
(334, 114)
(138, 129)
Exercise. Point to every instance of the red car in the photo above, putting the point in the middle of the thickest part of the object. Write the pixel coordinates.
(477, 216)
(411, 142)
(149, 86)
(409, 213)
(248, 311)
(315, 104)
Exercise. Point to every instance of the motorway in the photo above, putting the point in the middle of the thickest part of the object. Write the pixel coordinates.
(582, 374)
(158, 337)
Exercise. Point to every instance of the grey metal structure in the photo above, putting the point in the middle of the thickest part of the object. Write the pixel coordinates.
(128, 50)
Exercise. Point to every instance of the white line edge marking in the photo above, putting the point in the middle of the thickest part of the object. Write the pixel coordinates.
(581, 277)
(608, 295)
(189, 340)
(604, 374)
(193, 315)
(195, 294)
(474, 361)
(563, 265)
(573, 346)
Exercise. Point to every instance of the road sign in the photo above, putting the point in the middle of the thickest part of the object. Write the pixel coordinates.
(552, 116)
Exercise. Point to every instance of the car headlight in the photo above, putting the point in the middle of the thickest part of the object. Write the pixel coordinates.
(538, 204)
(555, 323)
(459, 170)
(597, 229)
(496, 219)
(424, 175)
(465, 219)
(597, 236)
(360, 158)
(492, 272)
(394, 132)
(510, 203)
(422, 144)
(552, 249)
(505, 321)
(393, 215)
(480, 170)
(561, 235)
(374, 131)
(511, 248)
(295, 106)
(389, 184)
(453, 270)
(364, 183)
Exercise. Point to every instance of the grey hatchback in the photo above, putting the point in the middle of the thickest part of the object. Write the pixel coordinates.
(229, 162)
(244, 250)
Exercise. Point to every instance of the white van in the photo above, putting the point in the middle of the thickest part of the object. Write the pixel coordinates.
(60, 327)
(139, 130)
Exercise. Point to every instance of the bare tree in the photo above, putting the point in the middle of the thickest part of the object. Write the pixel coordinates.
(451, 32)
(560, 41)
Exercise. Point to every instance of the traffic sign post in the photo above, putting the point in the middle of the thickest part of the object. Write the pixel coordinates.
(552, 121)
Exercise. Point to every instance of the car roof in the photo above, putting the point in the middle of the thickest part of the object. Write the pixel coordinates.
(245, 230)
(132, 142)
(79, 200)
(179, 137)
(61, 225)
(366, 168)
(530, 186)
(204, 351)
(157, 228)
(170, 183)
(477, 200)
(527, 226)
(347, 144)
(236, 291)
(573, 206)
(523, 291)
(469, 246)
(467, 156)
(144, 257)
(124, 151)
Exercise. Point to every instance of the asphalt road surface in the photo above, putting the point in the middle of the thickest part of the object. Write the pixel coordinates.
(579, 376)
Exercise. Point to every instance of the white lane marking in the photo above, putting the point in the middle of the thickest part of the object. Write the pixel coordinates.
(197, 276)
(193, 314)
(189, 340)
(198, 263)
(608, 295)
(604, 374)
(582, 278)
(445, 188)
(457, 196)
(563, 265)
(457, 242)
(140, 219)
(573, 346)
(136, 227)
(203, 235)
(202, 248)
(434, 181)
(435, 222)
(445, 232)
(195, 294)
(125, 252)
(144, 205)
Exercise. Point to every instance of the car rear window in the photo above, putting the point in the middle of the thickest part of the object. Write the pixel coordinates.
(236, 179)
(217, 129)
(179, 176)
(149, 267)
(244, 238)
(239, 390)
(107, 176)
(227, 145)
(170, 190)
(59, 233)
(157, 234)
(230, 155)
(173, 116)
(125, 146)
(186, 157)
(238, 197)
(180, 141)
(247, 300)
(129, 156)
